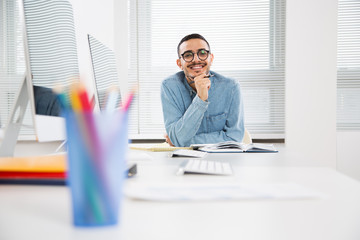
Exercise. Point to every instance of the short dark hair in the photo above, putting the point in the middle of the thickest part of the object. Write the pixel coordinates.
(191, 36)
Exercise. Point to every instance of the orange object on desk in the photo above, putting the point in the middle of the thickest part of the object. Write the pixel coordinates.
(43, 163)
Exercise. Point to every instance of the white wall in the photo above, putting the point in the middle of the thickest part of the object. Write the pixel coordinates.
(121, 42)
(105, 20)
(311, 34)
(96, 18)
(348, 153)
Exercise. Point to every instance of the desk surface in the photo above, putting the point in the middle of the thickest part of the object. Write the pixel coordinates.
(44, 212)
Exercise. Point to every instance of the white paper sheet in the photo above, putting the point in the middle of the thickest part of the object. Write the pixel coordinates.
(138, 156)
(175, 192)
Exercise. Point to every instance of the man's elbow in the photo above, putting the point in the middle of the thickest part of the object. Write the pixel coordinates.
(176, 141)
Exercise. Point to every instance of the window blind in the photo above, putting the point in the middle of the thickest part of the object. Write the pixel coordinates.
(12, 64)
(247, 39)
(348, 64)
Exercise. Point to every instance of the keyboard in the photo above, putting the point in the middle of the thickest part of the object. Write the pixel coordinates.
(203, 166)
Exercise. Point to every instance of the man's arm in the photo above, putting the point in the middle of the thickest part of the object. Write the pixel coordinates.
(234, 126)
(181, 127)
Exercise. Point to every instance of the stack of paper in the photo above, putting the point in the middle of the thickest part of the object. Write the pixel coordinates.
(46, 169)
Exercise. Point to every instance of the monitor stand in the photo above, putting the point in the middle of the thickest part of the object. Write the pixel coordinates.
(7, 146)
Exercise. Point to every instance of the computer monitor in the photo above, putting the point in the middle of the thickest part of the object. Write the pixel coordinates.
(105, 72)
(51, 60)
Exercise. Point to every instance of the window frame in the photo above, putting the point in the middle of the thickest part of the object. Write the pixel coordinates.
(276, 68)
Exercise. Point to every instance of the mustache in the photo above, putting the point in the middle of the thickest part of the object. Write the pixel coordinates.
(201, 63)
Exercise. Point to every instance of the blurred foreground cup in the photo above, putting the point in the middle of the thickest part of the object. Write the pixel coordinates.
(97, 145)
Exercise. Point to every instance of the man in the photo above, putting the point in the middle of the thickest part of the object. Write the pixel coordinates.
(199, 105)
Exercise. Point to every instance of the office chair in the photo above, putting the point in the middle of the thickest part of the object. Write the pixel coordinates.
(247, 137)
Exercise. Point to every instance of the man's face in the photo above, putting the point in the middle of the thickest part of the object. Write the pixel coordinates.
(196, 66)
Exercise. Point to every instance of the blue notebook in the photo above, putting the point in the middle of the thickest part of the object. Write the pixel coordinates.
(60, 182)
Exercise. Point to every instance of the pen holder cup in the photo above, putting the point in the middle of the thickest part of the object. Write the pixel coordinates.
(97, 145)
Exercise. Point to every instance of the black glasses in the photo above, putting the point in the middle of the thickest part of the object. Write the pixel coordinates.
(202, 54)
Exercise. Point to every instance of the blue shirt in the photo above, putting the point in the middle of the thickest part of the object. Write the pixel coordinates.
(190, 120)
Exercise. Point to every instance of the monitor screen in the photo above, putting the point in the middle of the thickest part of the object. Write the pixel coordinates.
(51, 58)
(105, 71)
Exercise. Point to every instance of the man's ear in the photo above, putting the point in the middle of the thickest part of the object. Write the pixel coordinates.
(178, 62)
(211, 58)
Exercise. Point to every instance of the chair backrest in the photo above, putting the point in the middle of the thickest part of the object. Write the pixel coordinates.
(247, 137)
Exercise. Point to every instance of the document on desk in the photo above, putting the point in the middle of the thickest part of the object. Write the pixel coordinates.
(138, 156)
(161, 147)
(237, 147)
(176, 192)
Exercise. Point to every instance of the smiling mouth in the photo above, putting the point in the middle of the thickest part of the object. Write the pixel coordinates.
(197, 67)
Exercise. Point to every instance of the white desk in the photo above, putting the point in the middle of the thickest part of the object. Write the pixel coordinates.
(44, 212)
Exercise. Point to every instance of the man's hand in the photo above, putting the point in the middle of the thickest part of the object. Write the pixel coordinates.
(167, 139)
(202, 85)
